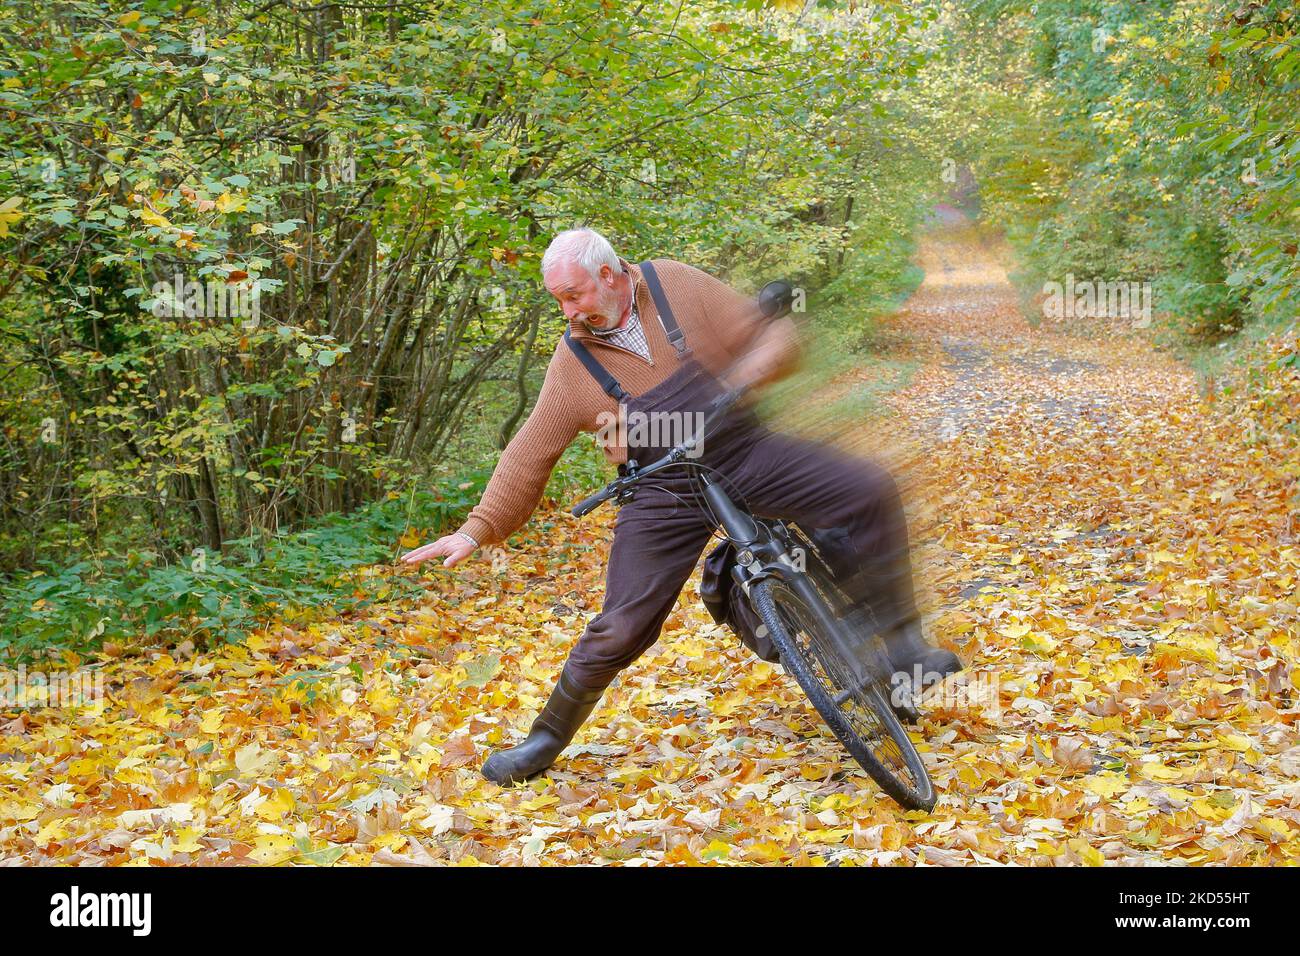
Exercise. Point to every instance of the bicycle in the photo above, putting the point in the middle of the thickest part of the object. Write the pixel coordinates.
(804, 611)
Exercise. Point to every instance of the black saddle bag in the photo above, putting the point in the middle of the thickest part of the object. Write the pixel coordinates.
(728, 605)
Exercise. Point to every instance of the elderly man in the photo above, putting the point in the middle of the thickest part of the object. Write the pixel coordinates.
(666, 337)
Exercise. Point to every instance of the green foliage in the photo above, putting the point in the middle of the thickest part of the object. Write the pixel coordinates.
(1149, 141)
(267, 269)
(380, 183)
(220, 597)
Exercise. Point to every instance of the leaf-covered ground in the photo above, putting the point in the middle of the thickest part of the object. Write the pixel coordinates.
(1115, 559)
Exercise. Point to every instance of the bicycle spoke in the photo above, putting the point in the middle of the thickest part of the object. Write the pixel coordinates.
(860, 713)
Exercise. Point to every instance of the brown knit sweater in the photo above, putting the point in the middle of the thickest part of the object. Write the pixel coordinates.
(718, 323)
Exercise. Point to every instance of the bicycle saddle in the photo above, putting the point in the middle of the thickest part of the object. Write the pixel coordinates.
(775, 298)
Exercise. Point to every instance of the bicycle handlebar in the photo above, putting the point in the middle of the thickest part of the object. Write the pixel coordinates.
(591, 503)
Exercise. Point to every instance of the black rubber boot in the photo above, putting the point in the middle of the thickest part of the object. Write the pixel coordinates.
(907, 650)
(569, 705)
(884, 586)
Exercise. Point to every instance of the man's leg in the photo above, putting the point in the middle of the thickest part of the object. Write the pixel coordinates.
(657, 542)
(822, 487)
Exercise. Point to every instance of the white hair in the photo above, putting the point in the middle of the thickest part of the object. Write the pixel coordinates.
(586, 247)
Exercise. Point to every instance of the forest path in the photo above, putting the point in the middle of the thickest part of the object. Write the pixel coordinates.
(1110, 558)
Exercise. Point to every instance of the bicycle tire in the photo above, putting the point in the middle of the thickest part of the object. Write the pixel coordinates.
(906, 781)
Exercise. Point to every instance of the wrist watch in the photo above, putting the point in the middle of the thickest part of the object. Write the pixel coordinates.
(468, 538)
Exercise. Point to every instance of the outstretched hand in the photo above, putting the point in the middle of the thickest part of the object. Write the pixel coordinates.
(455, 548)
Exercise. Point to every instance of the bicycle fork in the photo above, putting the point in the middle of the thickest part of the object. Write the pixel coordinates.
(761, 554)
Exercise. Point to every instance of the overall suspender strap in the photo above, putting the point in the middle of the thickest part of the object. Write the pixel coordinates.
(666, 319)
(608, 382)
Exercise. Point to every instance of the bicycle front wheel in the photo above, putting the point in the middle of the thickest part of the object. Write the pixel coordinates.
(866, 625)
(860, 716)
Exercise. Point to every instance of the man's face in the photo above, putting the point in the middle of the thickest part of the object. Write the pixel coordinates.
(580, 296)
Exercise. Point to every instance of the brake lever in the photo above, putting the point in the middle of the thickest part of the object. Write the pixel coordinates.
(626, 492)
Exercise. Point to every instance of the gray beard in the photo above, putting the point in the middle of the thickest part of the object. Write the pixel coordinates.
(598, 329)
(611, 331)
